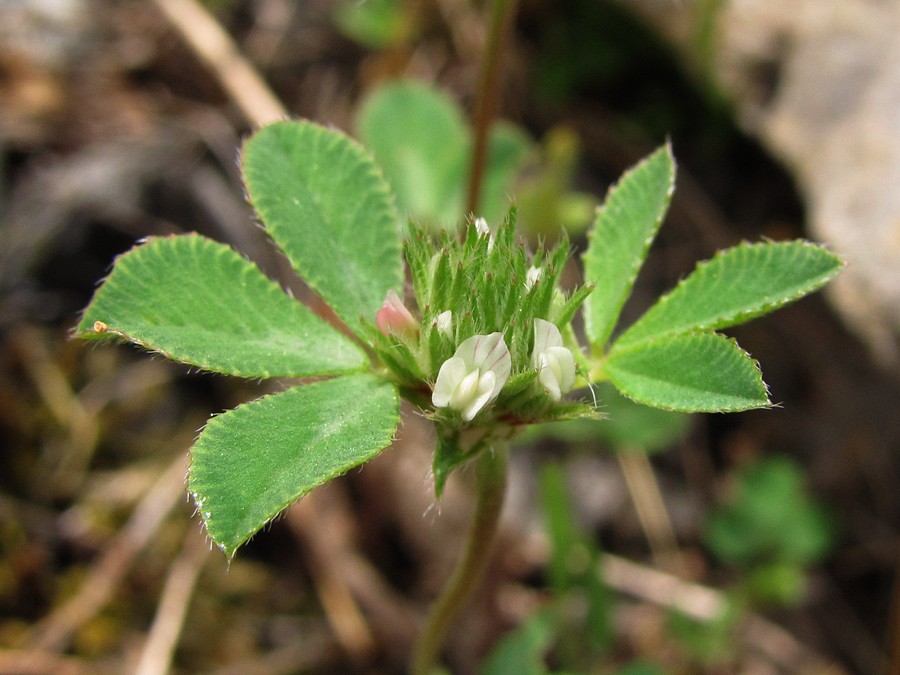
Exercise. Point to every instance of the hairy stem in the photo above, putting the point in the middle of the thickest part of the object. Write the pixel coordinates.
(491, 487)
(488, 94)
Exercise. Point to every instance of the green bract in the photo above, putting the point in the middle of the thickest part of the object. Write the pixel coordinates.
(483, 346)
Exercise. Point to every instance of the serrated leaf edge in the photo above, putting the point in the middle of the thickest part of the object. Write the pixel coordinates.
(381, 188)
(106, 331)
(644, 344)
(244, 537)
(741, 316)
(637, 263)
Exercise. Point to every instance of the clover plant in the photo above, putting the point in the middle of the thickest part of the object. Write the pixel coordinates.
(480, 341)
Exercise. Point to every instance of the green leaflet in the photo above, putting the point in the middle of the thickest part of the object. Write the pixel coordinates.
(251, 462)
(736, 285)
(693, 372)
(421, 140)
(199, 302)
(327, 206)
(625, 227)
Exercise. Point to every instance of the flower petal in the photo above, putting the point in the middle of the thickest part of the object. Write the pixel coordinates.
(565, 367)
(394, 317)
(548, 377)
(480, 397)
(451, 374)
(546, 335)
(556, 371)
(474, 376)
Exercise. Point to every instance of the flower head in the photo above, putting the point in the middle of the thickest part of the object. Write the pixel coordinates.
(473, 376)
(395, 318)
(555, 364)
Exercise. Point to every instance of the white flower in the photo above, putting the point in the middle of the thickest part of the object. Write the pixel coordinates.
(473, 376)
(532, 275)
(555, 364)
(444, 323)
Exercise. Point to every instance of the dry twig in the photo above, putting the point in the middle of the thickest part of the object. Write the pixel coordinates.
(651, 508)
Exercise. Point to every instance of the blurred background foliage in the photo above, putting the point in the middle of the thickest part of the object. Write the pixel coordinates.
(647, 543)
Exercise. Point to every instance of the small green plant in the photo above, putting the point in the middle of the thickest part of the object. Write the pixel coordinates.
(770, 529)
(483, 347)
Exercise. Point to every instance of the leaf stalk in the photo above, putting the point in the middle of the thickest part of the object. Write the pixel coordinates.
(491, 488)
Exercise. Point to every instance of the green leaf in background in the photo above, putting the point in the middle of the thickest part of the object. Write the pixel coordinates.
(251, 462)
(770, 518)
(325, 203)
(566, 542)
(736, 285)
(641, 667)
(508, 148)
(625, 227)
(199, 302)
(709, 642)
(780, 583)
(374, 23)
(522, 651)
(694, 372)
(630, 426)
(421, 140)
(574, 570)
(545, 197)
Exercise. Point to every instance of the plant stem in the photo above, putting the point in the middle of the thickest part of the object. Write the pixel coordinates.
(491, 487)
(488, 95)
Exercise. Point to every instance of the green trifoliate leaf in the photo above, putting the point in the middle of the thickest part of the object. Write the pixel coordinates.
(326, 204)
(625, 227)
(692, 372)
(736, 285)
(252, 462)
(197, 301)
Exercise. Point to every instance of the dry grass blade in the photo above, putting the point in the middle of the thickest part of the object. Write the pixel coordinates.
(53, 632)
(238, 77)
(176, 595)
